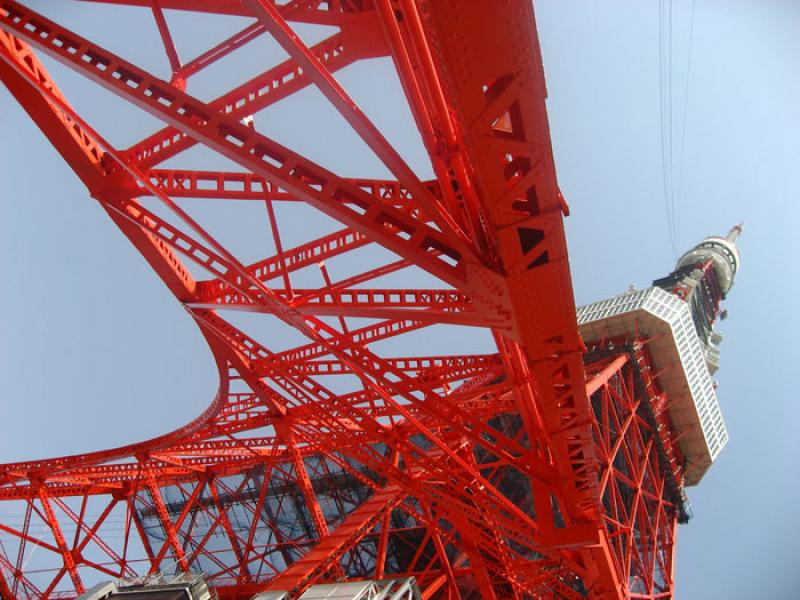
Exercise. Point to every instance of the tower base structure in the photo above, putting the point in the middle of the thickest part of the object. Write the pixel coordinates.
(251, 531)
(385, 533)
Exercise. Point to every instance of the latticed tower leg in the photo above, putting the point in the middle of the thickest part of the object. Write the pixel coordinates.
(639, 478)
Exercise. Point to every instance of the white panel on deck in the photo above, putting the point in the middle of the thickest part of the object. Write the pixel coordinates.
(384, 589)
(352, 590)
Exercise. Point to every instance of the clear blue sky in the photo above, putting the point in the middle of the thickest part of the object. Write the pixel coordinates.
(95, 352)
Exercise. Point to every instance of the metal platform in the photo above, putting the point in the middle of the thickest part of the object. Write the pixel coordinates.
(678, 358)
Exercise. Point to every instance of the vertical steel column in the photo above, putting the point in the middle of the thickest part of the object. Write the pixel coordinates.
(66, 554)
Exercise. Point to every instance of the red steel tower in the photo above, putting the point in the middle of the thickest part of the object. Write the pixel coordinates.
(551, 467)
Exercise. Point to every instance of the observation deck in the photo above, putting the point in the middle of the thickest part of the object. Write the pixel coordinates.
(678, 358)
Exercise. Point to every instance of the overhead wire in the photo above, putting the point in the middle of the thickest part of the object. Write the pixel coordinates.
(685, 112)
(672, 184)
(670, 121)
(665, 106)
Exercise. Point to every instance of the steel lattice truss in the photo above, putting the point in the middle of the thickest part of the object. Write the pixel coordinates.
(500, 475)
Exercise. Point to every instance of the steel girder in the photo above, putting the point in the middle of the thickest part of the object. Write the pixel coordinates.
(479, 474)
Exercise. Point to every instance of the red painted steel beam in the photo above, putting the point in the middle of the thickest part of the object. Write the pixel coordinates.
(5, 591)
(79, 151)
(227, 185)
(170, 529)
(306, 487)
(364, 335)
(66, 553)
(294, 259)
(416, 364)
(16, 570)
(443, 306)
(434, 120)
(229, 7)
(320, 12)
(169, 44)
(217, 293)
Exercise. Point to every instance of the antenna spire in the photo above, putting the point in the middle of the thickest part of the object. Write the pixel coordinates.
(735, 232)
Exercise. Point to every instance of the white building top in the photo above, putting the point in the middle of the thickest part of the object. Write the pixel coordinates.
(677, 354)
